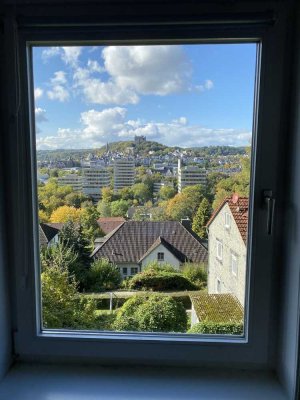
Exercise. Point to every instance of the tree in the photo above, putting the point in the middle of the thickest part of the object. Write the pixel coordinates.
(75, 199)
(119, 208)
(196, 273)
(126, 193)
(184, 204)
(65, 213)
(103, 275)
(202, 216)
(62, 307)
(104, 209)
(142, 192)
(43, 217)
(59, 256)
(153, 313)
(166, 192)
(107, 195)
(89, 225)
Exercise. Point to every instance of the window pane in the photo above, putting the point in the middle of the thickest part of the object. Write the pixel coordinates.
(143, 171)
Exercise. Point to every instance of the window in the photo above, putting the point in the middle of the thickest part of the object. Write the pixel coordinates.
(124, 270)
(218, 286)
(219, 250)
(227, 220)
(234, 264)
(134, 270)
(33, 337)
(160, 256)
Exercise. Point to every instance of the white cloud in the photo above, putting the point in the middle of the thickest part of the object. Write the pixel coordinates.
(111, 124)
(71, 54)
(40, 115)
(159, 70)
(58, 87)
(207, 85)
(50, 52)
(94, 66)
(38, 93)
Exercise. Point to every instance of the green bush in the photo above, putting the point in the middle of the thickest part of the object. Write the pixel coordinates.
(104, 320)
(160, 266)
(103, 276)
(196, 273)
(219, 328)
(160, 281)
(153, 313)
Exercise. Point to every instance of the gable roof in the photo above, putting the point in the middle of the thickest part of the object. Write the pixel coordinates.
(46, 233)
(133, 239)
(108, 224)
(239, 210)
(221, 307)
(160, 240)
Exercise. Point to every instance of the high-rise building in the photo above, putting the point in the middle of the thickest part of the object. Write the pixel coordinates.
(73, 180)
(124, 172)
(94, 179)
(190, 175)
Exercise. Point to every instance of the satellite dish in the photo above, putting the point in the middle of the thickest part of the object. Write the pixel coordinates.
(235, 198)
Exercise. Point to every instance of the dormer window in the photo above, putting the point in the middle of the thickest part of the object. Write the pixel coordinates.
(160, 256)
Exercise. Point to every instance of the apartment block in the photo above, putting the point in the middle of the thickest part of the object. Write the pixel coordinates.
(73, 180)
(124, 172)
(190, 175)
(94, 179)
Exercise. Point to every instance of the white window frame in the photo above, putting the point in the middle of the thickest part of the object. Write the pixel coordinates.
(234, 260)
(227, 222)
(219, 250)
(125, 273)
(29, 340)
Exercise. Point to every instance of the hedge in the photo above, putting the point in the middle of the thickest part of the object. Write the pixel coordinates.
(161, 281)
(218, 328)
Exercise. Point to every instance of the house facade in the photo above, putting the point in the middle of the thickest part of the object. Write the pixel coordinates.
(134, 244)
(227, 248)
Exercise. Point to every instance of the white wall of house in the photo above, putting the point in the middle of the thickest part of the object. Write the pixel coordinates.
(129, 267)
(168, 257)
(233, 246)
(53, 241)
(194, 318)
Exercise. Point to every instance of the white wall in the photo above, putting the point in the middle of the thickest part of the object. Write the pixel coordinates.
(232, 243)
(168, 258)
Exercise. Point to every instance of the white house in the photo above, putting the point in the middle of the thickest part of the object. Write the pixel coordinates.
(227, 247)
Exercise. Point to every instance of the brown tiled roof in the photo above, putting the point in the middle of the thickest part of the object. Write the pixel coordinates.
(239, 210)
(131, 240)
(108, 224)
(223, 307)
(46, 233)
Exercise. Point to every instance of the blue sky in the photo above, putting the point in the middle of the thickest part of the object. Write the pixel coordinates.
(187, 95)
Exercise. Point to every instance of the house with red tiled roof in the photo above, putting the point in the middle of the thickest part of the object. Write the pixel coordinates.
(227, 247)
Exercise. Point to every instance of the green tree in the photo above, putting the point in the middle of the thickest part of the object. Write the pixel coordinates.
(75, 199)
(104, 209)
(103, 275)
(196, 273)
(62, 307)
(142, 192)
(166, 192)
(153, 313)
(59, 256)
(89, 225)
(202, 216)
(119, 208)
(126, 193)
(107, 195)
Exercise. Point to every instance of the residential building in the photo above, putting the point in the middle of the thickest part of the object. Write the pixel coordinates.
(227, 247)
(136, 243)
(190, 175)
(73, 180)
(124, 172)
(94, 179)
(48, 235)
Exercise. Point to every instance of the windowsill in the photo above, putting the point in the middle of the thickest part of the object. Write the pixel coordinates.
(65, 382)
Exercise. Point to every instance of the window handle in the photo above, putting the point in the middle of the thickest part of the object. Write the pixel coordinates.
(269, 200)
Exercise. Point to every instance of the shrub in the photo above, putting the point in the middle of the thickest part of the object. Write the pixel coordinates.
(158, 266)
(104, 320)
(196, 273)
(154, 313)
(219, 328)
(103, 276)
(62, 307)
(160, 281)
